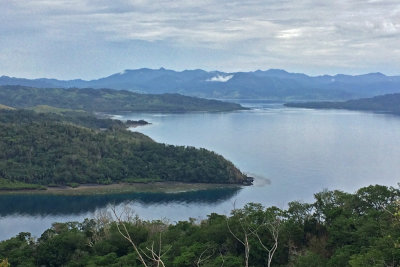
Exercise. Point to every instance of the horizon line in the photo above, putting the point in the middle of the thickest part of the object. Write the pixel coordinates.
(208, 71)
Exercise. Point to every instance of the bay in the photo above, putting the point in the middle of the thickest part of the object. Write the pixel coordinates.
(293, 153)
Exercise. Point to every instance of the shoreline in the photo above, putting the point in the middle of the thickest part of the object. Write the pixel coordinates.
(120, 188)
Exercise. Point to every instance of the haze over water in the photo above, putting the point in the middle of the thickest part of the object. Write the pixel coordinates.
(294, 152)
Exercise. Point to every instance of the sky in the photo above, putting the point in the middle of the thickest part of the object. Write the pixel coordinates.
(68, 39)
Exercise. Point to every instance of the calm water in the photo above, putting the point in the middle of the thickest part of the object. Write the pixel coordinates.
(293, 152)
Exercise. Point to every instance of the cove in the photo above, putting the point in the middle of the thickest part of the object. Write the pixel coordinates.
(293, 153)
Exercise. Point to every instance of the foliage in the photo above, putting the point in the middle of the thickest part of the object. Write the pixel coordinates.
(71, 116)
(16, 185)
(338, 229)
(107, 100)
(4, 263)
(48, 149)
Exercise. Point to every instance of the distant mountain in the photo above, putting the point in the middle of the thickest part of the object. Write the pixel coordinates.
(272, 84)
(107, 100)
(389, 103)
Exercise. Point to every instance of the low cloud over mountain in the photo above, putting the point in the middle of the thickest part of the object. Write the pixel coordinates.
(271, 84)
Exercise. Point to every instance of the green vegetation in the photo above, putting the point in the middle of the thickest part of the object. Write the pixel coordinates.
(84, 119)
(386, 103)
(338, 229)
(107, 100)
(4, 263)
(49, 148)
(50, 109)
(16, 185)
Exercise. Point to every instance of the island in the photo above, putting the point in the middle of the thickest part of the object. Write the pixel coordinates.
(389, 103)
(39, 150)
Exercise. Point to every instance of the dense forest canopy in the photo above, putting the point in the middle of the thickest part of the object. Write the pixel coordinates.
(386, 103)
(338, 229)
(107, 100)
(50, 148)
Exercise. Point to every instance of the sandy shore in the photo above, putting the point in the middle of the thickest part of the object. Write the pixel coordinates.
(94, 189)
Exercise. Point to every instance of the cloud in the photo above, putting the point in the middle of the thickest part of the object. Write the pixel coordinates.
(296, 34)
(220, 78)
(289, 34)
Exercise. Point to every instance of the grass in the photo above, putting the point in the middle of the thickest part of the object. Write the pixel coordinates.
(50, 109)
(8, 185)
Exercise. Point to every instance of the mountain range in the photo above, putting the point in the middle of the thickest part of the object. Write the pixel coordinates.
(273, 84)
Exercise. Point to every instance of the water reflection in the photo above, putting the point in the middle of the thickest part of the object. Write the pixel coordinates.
(301, 152)
(45, 205)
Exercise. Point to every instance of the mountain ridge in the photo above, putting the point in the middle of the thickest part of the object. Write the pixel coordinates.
(389, 103)
(273, 84)
(108, 100)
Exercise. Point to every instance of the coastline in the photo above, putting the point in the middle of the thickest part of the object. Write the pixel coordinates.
(119, 188)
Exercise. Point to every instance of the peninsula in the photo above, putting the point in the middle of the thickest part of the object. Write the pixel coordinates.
(71, 148)
(108, 100)
(389, 103)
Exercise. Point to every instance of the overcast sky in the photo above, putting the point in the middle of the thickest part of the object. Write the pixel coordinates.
(90, 39)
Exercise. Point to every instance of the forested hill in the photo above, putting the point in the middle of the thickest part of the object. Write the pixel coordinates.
(107, 100)
(46, 149)
(389, 103)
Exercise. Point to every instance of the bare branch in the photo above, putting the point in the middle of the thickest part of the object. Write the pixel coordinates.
(229, 228)
(222, 257)
(201, 259)
(273, 228)
(126, 235)
(244, 242)
(156, 257)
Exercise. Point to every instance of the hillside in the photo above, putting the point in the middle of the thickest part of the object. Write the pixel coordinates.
(47, 113)
(57, 149)
(273, 84)
(389, 103)
(107, 100)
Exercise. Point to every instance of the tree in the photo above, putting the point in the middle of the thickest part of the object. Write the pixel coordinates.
(123, 230)
(272, 223)
(4, 263)
(152, 253)
(253, 222)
